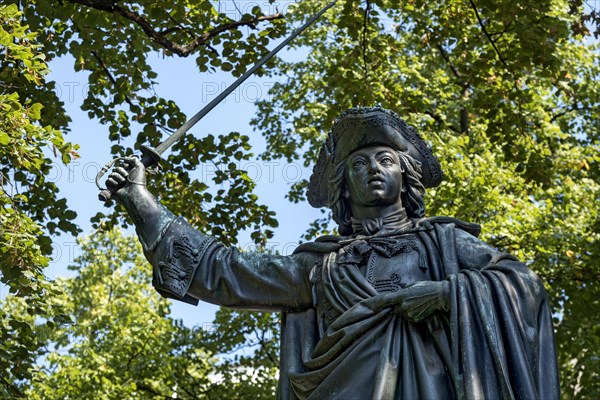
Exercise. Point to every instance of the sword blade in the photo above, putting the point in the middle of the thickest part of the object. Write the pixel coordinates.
(161, 148)
(153, 156)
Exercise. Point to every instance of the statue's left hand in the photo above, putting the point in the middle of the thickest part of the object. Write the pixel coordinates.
(422, 299)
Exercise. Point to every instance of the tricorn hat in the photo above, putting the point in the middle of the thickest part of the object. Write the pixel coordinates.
(366, 126)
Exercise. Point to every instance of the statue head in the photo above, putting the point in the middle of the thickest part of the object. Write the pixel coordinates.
(356, 134)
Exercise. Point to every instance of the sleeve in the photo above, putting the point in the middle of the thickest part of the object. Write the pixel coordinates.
(502, 325)
(190, 266)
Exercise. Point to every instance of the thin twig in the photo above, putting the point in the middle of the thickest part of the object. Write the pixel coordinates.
(181, 50)
(486, 32)
(365, 28)
(502, 32)
(12, 388)
(128, 100)
(150, 390)
(576, 107)
(110, 76)
(447, 59)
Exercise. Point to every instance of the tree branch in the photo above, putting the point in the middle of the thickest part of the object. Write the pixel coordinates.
(166, 31)
(487, 35)
(455, 72)
(128, 100)
(502, 32)
(575, 107)
(440, 121)
(180, 27)
(464, 93)
(263, 343)
(12, 388)
(111, 78)
(137, 353)
(160, 38)
(150, 390)
(365, 43)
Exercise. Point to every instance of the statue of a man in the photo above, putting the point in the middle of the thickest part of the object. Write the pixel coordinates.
(399, 306)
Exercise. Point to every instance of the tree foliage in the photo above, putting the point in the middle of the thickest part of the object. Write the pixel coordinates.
(121, 342)
(112, 41)
(509, 96)
(507, 93)
(30, 207)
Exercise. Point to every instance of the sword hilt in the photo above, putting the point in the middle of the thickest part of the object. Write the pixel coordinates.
(150, 158)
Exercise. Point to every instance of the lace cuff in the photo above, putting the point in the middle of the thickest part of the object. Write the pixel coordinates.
(178, 256)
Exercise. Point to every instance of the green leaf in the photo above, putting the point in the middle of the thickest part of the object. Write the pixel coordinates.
(35, 111)
(4, 139)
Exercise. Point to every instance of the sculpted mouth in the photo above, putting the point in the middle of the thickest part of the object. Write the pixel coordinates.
(375, 179)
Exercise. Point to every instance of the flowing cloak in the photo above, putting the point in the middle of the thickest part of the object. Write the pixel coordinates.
(495, 341)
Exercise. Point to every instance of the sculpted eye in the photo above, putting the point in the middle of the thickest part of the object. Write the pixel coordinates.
(387, 160)
(358, 163)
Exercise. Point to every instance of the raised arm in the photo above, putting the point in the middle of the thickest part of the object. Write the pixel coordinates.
(191, 266)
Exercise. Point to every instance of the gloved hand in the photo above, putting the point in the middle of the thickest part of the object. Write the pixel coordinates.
(422, 299)
(127, 180)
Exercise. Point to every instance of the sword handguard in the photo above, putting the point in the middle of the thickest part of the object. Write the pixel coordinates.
(150, 157)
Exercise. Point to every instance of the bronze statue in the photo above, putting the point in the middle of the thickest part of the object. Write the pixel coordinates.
(399, 306)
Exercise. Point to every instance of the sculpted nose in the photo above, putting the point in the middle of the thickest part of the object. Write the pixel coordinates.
(373, 166)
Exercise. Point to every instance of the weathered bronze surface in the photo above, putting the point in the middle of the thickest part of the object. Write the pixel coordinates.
(400, 306)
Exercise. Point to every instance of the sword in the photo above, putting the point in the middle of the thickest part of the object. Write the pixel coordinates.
(151, 157)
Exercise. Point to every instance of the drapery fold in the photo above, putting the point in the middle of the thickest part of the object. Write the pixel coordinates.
(495, 342)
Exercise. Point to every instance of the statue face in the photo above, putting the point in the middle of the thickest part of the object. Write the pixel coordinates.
(374, 177)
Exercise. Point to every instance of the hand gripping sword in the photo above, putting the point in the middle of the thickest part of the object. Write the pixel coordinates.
(151, 157)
